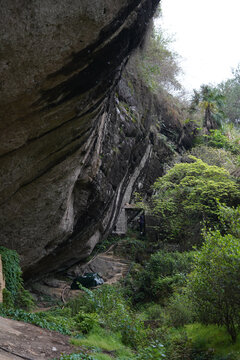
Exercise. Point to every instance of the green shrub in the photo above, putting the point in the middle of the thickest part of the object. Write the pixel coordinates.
(187, 196)
(205, 337)
(85, 322)
(154, 312)
(133, 332)
(8, 299)
(46, 320)
(215, 157)
(154, 351)
(165, 272)
(179, 310)
(14, 295)
(114, 313)
(219, 140)
(179, 346)
(214, 282)
(78, 356)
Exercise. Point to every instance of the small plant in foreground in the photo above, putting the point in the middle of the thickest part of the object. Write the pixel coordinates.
(86, 321)
(154, 351)
(79, 356)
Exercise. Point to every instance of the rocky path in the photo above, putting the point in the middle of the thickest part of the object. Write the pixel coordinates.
(20, 340)
(112, 268)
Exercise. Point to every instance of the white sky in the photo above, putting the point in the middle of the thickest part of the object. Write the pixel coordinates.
(207, 37)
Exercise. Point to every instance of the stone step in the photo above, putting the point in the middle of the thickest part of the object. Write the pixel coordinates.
(114, 258)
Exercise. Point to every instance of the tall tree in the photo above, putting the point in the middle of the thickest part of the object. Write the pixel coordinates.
(211, 101)
(231, 91)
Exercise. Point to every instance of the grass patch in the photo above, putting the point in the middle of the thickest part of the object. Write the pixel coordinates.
(104, 340)
(101, 356)
(205, 337)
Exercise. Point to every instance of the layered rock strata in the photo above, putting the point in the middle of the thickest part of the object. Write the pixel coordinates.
(72, 143)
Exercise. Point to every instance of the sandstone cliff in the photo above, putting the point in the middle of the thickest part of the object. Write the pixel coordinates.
(75, 139)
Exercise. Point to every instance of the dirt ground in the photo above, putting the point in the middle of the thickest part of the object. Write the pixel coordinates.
(20, 340)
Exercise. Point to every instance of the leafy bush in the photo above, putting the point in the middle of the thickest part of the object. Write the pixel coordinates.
(179, 346)
(229, 218)
(204, 337)
(214, 282)
(14, 295)
(154, 312)
(46, 320)
(215, 157)
(86, 321)
(164, 272)
(154, 351)
(219, 140)
(114, 313)
(179, 310)
(79, 356)
(187, 196)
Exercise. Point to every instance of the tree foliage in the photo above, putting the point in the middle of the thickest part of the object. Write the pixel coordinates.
(163, 273)
(215, 156)
(214, 283)
(187, 196)
(231, 91)
(158, 64)
(210, 101)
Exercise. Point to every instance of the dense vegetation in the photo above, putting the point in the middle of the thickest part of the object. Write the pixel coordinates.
(181, 298)
(231, 92)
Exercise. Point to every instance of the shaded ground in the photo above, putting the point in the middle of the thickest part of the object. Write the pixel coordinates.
(20, 340)
(110, 267)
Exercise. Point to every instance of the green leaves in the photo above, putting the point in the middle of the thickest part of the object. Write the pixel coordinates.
(187, 196)
(214, 282)
(165, 272)
(210, 101)
(14, 294)
(155, 351)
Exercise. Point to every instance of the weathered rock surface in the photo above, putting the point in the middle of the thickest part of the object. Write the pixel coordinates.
(72, 145)
(19, 340)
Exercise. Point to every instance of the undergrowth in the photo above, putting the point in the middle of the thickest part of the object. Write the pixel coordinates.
(14, 295)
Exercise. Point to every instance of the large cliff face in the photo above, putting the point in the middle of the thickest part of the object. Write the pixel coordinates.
(72, 143)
